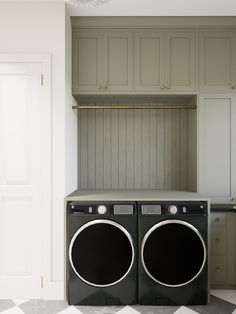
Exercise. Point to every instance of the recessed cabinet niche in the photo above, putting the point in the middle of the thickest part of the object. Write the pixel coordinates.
(102, 61)
(164, 61)
(137, 148)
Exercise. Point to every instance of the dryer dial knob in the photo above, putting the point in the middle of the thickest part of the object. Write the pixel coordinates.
(102, 209)
(173, 210)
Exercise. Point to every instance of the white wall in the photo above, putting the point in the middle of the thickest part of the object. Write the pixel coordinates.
(40, 27)
(159, 8)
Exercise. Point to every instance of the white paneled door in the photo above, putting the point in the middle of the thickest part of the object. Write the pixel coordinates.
(24, 176)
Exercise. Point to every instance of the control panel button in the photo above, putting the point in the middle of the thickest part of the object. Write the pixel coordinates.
(102, 209)
(173, 210)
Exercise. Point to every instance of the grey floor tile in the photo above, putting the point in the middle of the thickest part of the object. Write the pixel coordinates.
(6, 304)
(155, 309)
(42, 306)
(217, 306)
(99, 309)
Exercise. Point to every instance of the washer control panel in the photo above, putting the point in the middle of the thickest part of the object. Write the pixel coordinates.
(173, 208)
(103, 208)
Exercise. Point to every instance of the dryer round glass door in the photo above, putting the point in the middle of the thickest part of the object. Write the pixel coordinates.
(173, 253)
(101, 253)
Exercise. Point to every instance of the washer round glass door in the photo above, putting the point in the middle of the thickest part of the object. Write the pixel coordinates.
(173, 253)
(101, 253)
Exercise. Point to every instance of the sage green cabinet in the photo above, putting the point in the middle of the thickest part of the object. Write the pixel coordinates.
(165, 61)
(102, 61)
(149, 61)
(223, 249)
(217, 147)
(217, 62)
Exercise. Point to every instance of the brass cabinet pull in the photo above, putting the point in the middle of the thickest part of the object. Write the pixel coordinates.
(162, 86)
(217, 219)
(106, 87)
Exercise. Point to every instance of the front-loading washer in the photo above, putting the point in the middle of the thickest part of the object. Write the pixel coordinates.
(173, 248)
(101, 259)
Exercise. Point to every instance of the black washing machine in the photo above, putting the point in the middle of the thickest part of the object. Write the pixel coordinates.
(173, 250)
(101, 253)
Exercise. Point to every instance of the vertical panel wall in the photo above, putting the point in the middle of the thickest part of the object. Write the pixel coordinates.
(137, 149)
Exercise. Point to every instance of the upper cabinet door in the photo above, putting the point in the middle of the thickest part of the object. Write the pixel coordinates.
(217, 62)
(117, 61)
(87, 61)
(180, 61)
(149, 61)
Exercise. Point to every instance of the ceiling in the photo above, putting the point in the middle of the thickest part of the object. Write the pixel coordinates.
(158, 8)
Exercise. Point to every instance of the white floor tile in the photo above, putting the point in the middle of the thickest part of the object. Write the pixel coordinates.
(227, 295)
(70, 310)
(17, 301)
(127, 310)
(185, 310)
(13, 310)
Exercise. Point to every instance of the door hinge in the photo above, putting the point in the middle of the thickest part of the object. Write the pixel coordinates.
(41, 281)
(42, 79)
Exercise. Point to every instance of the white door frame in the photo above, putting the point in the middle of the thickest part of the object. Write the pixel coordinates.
(46, 133)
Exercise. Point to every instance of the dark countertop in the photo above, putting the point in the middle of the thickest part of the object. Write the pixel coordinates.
(223, 208)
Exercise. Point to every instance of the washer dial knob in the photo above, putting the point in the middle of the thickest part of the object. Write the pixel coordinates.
(173, 210)
(102, 209)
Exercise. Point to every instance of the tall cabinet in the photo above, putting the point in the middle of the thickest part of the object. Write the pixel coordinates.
(217, 147)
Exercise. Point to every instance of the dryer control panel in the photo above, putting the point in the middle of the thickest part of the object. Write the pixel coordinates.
(173, 208)
(102, 208)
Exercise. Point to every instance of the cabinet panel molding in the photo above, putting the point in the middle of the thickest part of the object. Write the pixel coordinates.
(217, 64)
(117, 61)
(87, 61)
(149, 65)
(180, 61)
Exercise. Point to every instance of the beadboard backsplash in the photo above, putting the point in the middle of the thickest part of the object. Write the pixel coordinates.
(137, 149)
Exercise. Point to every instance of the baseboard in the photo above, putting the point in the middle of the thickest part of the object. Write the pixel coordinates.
(53, 290)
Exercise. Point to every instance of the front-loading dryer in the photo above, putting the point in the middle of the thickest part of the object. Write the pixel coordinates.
(173, 248)
(101, 244)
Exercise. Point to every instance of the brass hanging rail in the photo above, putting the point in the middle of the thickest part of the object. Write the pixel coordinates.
(133, 106)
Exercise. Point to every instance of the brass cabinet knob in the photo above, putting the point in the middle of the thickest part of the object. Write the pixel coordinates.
(217, 269)
(99, 86)
(162, 86)
(168, 86)
(106, 87)
(233, 86)
(217, 219)
(233, 199)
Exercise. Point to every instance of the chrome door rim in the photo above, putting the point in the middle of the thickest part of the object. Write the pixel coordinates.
(165, 222)
(94, 222)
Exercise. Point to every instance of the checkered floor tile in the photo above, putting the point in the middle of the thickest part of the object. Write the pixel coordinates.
(222, 302)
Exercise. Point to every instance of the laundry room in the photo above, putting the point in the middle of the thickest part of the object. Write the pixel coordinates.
(117, 172)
